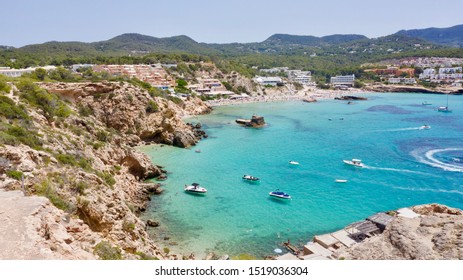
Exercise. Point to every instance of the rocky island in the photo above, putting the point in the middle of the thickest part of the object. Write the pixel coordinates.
(255, 121)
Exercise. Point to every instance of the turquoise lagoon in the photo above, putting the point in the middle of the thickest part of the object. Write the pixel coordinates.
(405, 166)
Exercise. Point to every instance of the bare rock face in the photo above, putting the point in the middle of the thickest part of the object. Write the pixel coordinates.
(140, 166)
(184, 139)
(436, 235)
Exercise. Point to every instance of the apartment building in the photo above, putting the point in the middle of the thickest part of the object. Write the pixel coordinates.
(347, 80)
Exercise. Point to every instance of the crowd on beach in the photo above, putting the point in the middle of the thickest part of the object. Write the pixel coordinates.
(289, 96)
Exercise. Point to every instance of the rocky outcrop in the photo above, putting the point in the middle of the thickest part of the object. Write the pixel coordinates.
(126, 108)
(437, 234)
(350, 97)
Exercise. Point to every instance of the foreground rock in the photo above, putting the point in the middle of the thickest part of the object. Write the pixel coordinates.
(437, 234)
(32, 228)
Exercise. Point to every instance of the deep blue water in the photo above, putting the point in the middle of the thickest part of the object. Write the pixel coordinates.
(405, 166)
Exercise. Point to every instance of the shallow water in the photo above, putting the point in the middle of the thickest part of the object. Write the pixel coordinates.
(405, 166)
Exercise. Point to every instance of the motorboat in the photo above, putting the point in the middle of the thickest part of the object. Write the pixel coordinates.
(292, 162)
(279, 194)
(195, 188)
(425, 126)
(354, 162)
(198, 151)
(340, 181)
(425, 103)
(250, 178)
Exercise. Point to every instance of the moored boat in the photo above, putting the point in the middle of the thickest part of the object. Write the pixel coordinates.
(195, 188)
(279, 194)
(354, 162)
(292, 162)
(250, 178)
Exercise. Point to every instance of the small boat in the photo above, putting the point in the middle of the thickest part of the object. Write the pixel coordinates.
(354, 162)
(250, 178)
(425, 103)
(444, 109)
(292, 162)
(279, 194)
(425, 126)
(198, 151)
(340, 181)
(195, 188)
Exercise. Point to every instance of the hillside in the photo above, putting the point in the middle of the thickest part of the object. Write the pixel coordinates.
(451, 36)
(286, 39)
(72, 144)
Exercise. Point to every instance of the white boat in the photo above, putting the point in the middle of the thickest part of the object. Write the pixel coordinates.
(425, 126)
(250, 178)
(445, 109)
(279, 194)
(195, 188)
(292, 162)
(354, 162)
(340, 181)
(425, 103)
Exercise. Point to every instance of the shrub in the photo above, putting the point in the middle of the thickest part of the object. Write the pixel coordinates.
(128, 226)
(4, 87)
(47, 190)
(15, 174)
(107, 252)
(49, 103)
(102, 136)
(152, 107)
(10, 110)
(107, 177)
(84, 110)
(80, 187)
(66, 159)
(24, 136)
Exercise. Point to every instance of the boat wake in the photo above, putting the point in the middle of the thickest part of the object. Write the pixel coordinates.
(404, 129)
(429, 190)
(441, 158)
(395, 170)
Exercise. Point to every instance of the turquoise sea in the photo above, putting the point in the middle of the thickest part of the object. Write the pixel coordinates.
(405, 166)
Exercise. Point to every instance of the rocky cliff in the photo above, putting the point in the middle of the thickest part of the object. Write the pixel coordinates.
(82, 164)
(437, 234)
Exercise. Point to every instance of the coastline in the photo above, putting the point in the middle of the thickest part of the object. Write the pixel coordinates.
(282, 98)
(314, 94)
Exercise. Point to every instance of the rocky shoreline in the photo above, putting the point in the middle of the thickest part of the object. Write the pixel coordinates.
(423, 232)
(88, 168)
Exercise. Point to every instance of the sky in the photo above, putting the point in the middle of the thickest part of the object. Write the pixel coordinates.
(24, 22)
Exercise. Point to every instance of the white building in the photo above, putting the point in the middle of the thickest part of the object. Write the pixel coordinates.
(275, 70)
(298, 76)
(407, 81)
(343, 80)
(450, 70)
(13, 73)
(268, 81)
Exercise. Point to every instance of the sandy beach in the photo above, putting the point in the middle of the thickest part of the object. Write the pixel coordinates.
(317, 94)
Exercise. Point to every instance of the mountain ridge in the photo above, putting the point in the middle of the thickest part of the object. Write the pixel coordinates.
(449, 36)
